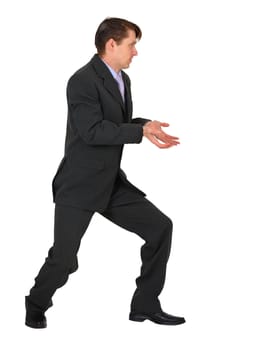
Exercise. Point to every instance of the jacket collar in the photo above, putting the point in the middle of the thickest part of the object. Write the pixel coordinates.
(110, 83)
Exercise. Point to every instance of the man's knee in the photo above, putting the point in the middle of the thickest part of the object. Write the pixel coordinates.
(168, 229)
(164, 227)
(165, 223)
(64, 261)
(168, 224)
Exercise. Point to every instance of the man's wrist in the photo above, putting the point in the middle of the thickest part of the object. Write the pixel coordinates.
(148, 122)
(145, 128)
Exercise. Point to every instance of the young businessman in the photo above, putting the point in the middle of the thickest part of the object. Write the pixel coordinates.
(89, 178)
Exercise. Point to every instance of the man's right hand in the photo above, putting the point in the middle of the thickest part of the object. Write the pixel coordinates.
(154, 133)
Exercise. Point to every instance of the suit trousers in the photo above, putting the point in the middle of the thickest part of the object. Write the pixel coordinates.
(131, 211)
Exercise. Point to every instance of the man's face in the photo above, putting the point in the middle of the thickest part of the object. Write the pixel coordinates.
(125, 50)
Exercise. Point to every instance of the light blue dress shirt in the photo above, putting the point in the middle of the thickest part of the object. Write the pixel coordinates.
(118, 78)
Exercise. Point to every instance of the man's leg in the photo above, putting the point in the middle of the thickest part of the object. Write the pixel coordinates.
(135, 213)
(69, 227)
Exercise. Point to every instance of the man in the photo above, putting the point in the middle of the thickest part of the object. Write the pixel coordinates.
(89, 178)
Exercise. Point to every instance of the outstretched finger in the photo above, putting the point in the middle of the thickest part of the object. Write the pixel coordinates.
(164, 124)
(170, 136)
(159, 144)
(162, 135)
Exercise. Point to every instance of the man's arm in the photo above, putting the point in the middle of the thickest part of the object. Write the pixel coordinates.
(87, 117)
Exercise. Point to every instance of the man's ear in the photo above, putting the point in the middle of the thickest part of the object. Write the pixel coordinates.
(110, 44)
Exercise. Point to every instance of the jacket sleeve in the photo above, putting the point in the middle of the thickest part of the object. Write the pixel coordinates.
(141, 121)
(87, 117)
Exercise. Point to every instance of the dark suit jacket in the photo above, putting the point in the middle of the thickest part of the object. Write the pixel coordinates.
(98, 126)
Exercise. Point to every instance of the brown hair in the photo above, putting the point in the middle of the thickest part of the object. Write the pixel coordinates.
(115, 28)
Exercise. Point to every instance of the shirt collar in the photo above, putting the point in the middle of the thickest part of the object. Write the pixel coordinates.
(112, 71)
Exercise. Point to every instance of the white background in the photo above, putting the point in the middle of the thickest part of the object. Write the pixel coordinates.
(202, 68)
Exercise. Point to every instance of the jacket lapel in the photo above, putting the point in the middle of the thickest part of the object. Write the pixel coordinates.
(109, 82)
(112, 86)
(128, 98)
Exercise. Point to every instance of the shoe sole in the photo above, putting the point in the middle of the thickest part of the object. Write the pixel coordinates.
(36, 325)
(142, 318)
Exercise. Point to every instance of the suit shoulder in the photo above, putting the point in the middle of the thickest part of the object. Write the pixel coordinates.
(82, 73)
(83, 77)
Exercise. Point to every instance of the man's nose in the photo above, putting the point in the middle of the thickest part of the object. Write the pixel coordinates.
(135, 53)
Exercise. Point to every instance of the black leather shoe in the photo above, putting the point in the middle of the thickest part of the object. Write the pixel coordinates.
(35, 319)
(158, 317)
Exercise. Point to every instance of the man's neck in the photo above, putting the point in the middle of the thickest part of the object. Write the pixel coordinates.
(110, 63)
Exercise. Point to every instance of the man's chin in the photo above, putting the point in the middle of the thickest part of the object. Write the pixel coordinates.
(127, 65)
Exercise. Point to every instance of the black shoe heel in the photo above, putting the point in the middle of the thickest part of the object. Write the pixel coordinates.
(137, 318)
